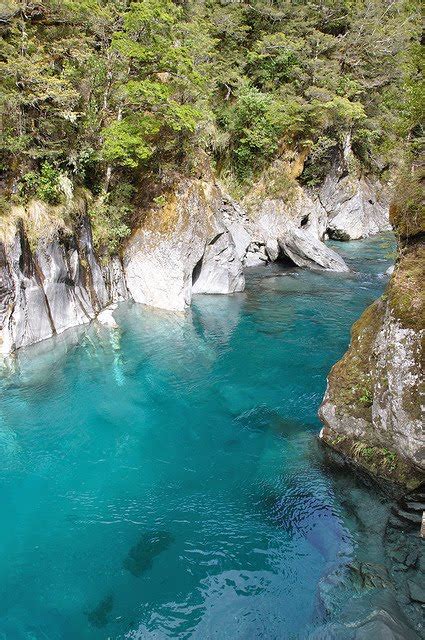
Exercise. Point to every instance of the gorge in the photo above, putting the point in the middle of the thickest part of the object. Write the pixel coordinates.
(198, 201)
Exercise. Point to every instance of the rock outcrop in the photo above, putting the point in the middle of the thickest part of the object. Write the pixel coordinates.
(356, 205)
(373, 408)
(199, 240)
(56, 285)
(182, 248)
(307, 251)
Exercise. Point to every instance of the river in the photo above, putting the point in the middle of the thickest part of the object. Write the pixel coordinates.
(164, 480)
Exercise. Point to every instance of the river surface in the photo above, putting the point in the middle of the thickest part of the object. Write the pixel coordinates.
(164, 480)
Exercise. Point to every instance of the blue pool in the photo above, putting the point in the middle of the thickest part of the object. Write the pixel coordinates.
(164, 480)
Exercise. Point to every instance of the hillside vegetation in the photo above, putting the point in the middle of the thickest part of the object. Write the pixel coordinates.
(117, 94)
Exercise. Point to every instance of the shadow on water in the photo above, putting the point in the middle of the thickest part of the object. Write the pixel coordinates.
(141, 555)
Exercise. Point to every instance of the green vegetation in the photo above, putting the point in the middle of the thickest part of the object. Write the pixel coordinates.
(367, 396)
(118, 91)
(378, 457)
(43, 184)
(375, 458)
(350, 380)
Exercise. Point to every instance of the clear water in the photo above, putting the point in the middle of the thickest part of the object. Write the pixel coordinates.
(164, 480)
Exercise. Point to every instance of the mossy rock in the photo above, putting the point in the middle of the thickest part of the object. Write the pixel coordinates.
(405, 293)
(351, 379)
(407, 210)
(379, 462)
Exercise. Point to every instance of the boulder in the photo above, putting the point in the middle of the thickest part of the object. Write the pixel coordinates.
(305, 250)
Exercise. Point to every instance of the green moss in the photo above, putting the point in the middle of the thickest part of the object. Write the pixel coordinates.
(406, 296)
(350, 381)
(407, 211)
(379, 461)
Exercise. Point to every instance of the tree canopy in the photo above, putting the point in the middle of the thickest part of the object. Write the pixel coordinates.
(109, 91)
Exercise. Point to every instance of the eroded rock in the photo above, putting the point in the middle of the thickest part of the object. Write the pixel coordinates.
(306, 251)
(57, 285)
(182, 244)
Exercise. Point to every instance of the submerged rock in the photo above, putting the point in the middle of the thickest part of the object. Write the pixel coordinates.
(386, 620)
(140, 557)
(99, 616)
(416, 591)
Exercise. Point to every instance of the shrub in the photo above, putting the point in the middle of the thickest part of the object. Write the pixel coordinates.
(256, 124)
(109, 217)
(43, 185)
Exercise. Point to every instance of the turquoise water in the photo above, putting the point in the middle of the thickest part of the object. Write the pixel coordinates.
(164, 480)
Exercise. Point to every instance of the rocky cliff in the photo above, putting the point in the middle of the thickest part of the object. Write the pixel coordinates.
(195, 239)
(372, 410)
(54, 281)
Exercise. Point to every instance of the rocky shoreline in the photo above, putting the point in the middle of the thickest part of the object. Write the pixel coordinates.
(197, 240)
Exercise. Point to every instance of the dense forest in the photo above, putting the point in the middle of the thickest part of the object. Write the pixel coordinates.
(118, 95)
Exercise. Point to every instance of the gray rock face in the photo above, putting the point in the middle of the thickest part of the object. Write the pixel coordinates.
(356, 206)
(274, 219)
(393, 421)
(374, 398)
(306, 251)
(220, 269)
(58, 286)
(26, 318)
(113, 275)
(183, 248)
(398, 387)
(68, 302)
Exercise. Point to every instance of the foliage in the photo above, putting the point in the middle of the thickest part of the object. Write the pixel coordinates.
(366, 397)
(379, 456)
(112, 91)
(109, 216)
(43, 185)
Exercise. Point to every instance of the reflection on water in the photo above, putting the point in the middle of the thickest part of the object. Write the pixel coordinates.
(163, 480)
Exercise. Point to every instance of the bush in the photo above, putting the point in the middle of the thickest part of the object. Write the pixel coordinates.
(109, 217)
(43, 185)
